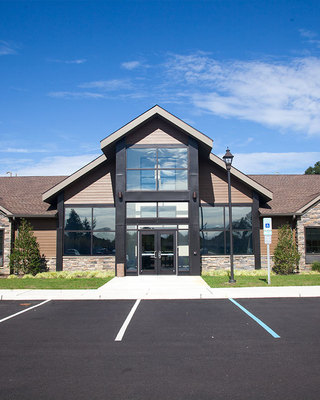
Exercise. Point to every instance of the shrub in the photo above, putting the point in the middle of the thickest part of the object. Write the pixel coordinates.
(25, 257)
(316, 266)
(286, 256)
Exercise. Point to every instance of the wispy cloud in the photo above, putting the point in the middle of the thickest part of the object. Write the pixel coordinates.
(280, 95)
(108, 85)
(56, 165)
(21, 150)
(6, 48)
(76, 95)
(272, 163)
(130, 65)
(310, 37)
(75, 61)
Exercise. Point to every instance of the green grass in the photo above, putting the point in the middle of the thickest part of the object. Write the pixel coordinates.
(222, 281)
(53, 283)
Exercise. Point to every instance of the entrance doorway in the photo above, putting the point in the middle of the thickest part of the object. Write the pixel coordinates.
(157, 253)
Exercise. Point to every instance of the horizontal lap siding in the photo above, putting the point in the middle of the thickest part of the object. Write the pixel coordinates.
(214, 186)
(96, 188)
(156, 131)
(45, 231)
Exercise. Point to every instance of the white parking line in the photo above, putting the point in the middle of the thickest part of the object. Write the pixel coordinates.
(127, 321)
(23, 311)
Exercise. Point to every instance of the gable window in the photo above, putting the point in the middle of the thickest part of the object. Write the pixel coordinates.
(157, 168)
(215, 230)
(89, 231)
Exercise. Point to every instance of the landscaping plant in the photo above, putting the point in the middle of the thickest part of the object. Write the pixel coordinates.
(316, 266)
(25, 257)
(286, 256)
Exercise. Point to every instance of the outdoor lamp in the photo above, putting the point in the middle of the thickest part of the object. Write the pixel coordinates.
(228, 157)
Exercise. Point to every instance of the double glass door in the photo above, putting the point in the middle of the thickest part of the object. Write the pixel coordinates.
(157, 252)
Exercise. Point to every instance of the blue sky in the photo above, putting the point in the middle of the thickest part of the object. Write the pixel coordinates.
(245, 73)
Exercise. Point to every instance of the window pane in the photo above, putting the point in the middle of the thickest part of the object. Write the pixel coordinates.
(183, 250)
(141, 210)
(132, 251)
(212, 242)
(77, 219)
(173, 210)
(141, 158)
(103, 243)
(242, 242)
(104, 219)
(211, 217)
(312, 240)
(241, 217)
(173, 158)
(144, 179)
(77, 243)
(173, 180)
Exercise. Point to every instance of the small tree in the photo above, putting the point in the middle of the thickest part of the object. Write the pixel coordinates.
(25, 257)
(315, 170)
(286, 256)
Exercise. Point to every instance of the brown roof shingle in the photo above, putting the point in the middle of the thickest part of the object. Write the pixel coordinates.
(290, 192)
(22, 195)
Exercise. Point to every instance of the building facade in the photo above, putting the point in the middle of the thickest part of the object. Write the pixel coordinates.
(154, 202)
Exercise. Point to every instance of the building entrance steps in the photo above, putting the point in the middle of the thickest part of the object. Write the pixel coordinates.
(156, 287)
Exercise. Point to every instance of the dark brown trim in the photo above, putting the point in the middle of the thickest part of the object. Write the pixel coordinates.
(60, 229)
(256, 231)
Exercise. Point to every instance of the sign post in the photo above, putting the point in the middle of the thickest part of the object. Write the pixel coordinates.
(267, 231)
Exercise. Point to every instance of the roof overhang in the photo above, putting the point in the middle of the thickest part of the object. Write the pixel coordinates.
(308, 205)
(156, 111)
(261, 190)
(6, 212)
(49, 194)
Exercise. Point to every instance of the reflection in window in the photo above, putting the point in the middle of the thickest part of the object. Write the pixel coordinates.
(157, 168)
(132, 251)
(158, 209)
(313, 240)
(141, 210)
(215, 234)
(89, 231)
(183, 251)
(173, 210)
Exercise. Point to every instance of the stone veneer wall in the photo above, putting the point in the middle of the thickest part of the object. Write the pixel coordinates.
(211, 263)
(310, 218)
(84, 263)
(5, 225)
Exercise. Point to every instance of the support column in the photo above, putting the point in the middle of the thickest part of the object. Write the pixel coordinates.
(256, 231)
(120, 204)
(194, 228)
(60, 228)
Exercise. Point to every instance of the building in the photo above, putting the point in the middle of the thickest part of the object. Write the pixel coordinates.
(156, 202)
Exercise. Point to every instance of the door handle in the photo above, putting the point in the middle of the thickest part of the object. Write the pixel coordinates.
(159, 254)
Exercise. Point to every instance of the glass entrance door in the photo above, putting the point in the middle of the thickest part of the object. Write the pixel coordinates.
(157, 252)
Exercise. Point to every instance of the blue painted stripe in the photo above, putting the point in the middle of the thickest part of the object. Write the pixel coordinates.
(269, 330)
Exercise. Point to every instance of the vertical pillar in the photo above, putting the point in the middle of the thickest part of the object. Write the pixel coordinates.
(60, 209)
(194, 228)
(256, 231)
(120, 204)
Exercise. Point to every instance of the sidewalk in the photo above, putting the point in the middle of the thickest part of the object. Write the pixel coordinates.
(159, 287)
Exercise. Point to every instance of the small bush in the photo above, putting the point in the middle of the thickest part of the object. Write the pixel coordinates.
(286, 256)
(316, 266)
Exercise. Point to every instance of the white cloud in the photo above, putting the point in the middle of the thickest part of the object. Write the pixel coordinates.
(76, 95)
(279, 95)
(6, 48)
(21, 150)
(310, 37)
(272, 163)
(108, 85)
(130, 65)
(75, 61)
(56, 165)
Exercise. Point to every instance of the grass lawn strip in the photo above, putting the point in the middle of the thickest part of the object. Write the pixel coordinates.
(53, 283)
(222, 281)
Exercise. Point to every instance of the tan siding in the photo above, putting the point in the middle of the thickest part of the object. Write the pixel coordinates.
(95, 188)
(157, 131)
(213, 186)
(277, 222)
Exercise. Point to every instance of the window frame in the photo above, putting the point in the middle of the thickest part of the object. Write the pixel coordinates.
(305, 237)
(91, 231)
(157, 168)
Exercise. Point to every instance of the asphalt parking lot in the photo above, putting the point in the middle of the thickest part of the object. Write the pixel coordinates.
(170, 349)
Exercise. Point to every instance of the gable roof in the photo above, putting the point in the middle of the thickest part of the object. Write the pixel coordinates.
(293, 194)
(153, 112)
(21, 195)
(254, 184)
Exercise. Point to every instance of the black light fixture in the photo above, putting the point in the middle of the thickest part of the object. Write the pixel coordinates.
(228, 157)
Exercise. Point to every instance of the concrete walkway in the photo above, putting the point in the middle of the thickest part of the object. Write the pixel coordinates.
(159, 287)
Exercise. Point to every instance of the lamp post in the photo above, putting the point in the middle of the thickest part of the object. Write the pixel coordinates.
(228, 157)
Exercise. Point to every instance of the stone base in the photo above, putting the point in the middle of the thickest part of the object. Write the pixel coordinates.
(211, 263)
(106, 263)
